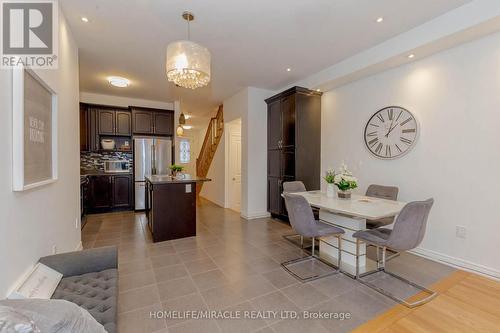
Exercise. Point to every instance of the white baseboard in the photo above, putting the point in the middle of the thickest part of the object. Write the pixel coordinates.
(457, 263)
(220, 204)
(79, 246)
(254, 216)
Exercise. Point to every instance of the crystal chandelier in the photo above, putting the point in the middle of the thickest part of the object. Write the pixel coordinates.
(188, 63)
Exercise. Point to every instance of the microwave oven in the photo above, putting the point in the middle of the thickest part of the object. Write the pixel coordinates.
(116, 166)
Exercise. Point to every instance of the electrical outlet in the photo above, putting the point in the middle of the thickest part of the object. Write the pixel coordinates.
(54, 249)
(461, 231)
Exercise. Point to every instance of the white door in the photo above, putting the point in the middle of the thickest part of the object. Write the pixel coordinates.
(235, 170)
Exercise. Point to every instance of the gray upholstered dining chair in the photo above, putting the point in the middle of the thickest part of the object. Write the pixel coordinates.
(381, 192)
(407, 234)
(304, 223)
(294, 187)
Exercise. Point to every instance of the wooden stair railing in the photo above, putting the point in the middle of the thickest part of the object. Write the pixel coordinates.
(214, 133)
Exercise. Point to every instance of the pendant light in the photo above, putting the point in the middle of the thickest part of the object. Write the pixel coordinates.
(188, 63)
(180, 130)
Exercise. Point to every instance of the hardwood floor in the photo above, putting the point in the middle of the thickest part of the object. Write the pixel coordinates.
(466, 303)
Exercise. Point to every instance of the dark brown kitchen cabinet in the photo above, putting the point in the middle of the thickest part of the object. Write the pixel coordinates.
(147, 121)
(112, 122)
(109, 192)
(122, 191)
(142, 122)
(100, 193)
(106, 122)
(163, 123)
(89, 135)
(294, 143)
(123, 121)
(84, 128)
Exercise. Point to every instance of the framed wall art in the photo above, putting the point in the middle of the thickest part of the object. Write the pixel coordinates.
(34, 108)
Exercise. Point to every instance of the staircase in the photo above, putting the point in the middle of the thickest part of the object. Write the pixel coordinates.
(214, 133)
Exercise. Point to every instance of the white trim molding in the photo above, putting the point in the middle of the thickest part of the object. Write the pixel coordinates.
(457, 262)
(253, 216)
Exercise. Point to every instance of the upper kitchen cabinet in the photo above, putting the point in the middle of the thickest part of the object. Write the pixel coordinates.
(163, 123)
(84, 128)
(147, 121)
(142, 121)
(123, 123)
(114, 122)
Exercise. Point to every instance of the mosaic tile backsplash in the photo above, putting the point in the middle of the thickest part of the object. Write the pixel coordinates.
(95, 161)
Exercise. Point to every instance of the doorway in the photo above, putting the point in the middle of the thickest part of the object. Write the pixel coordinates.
(234, 164)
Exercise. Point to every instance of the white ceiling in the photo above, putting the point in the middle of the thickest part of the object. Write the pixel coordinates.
(252, 42)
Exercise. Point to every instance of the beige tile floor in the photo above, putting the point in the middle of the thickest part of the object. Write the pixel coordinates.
(232, 264)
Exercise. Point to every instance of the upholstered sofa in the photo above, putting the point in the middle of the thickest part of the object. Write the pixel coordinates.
(90, 280)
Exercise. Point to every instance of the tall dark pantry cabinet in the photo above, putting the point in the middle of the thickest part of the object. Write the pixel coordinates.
(293, 143)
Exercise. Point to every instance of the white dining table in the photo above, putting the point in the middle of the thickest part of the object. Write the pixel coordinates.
(349, 215)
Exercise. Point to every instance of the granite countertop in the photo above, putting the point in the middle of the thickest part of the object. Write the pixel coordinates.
(166, 179)
(94, 172)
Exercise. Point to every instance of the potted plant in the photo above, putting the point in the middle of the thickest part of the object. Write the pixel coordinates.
(345, 182)
(330, 182)
(176, 169)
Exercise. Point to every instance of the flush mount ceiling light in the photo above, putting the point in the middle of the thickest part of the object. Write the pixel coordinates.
(84, 19)
(411, 56)
(118, 81)
(188, 63)
(380, 20)
(288, 69)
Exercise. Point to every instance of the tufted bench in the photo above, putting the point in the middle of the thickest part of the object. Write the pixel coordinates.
(90, 280)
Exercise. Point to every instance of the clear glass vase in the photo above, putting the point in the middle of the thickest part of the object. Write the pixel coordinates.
(330, 190)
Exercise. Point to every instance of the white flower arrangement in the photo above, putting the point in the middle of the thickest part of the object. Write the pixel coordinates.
(344, 179)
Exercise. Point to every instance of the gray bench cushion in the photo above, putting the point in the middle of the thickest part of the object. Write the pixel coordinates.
(96, 292)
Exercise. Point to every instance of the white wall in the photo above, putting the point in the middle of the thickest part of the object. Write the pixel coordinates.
(249, 106)
(256, 150)
(456, 97)
(93, 98)
(31, 222)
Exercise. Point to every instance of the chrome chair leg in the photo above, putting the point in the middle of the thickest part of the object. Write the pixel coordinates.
(313, 256)
(384, 292)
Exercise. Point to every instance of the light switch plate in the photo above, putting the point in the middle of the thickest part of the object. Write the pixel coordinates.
(188, 188)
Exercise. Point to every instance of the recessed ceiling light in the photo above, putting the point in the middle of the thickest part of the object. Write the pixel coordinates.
(119, 82)
(188, 127)
(288, 69)
(380, 20)
(84, 19)
(411, 56)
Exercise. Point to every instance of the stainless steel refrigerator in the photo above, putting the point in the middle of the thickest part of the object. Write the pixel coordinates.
(152, 156)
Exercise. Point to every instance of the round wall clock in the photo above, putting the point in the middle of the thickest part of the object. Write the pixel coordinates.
(391, 132)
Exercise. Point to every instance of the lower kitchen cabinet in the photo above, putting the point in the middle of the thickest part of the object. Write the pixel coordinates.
(122, 191)
(109, 193)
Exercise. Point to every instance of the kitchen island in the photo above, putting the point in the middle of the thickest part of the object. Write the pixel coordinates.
(171, 206)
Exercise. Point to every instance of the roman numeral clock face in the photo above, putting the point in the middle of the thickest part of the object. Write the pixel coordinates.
(391, 132)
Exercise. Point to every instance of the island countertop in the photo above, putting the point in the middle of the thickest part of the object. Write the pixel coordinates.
(166, 179)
